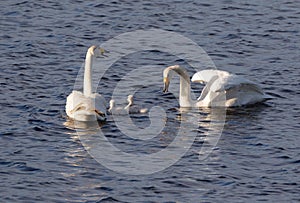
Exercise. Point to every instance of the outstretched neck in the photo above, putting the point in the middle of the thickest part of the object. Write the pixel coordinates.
(87, 82)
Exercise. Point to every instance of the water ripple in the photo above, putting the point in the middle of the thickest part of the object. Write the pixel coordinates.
(43, 46)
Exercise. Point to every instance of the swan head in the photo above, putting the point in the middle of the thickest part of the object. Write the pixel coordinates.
(97, 51)
(169, 72)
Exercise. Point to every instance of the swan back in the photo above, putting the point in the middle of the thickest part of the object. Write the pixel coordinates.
(233, 81)
(230, 89)
(82, 108)
(205, 76)
(223, 80)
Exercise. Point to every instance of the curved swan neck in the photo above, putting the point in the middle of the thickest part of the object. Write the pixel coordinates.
(185, 91)
(111, 105)
(185, 87)
(87, 81)
(129, 104)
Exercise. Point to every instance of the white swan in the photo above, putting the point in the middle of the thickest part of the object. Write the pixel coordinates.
(221, 89)
(129, 109)
(87, 106)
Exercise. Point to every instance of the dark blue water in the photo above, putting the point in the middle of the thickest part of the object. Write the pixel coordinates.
(42, 48)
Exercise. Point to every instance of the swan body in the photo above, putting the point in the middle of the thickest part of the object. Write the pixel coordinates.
(129, 109)
(221, 88)
(87, 106)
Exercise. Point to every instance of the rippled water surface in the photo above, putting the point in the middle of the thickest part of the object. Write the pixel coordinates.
(42, 49)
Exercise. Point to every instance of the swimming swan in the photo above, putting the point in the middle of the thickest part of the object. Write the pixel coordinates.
(132, 108)
(87, 106)
(129, 109)
(116, 110)
(222, 88)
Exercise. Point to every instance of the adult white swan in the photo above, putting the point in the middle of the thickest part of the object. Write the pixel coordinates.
(87, 106)
(221, 89)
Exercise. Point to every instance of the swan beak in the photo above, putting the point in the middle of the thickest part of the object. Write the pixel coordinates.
(103, 52)
(166, 84)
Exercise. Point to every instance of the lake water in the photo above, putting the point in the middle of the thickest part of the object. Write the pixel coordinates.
(42, 48)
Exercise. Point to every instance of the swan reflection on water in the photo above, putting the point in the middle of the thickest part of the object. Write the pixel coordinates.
(206, 123)
(202, 127)
(83, 128)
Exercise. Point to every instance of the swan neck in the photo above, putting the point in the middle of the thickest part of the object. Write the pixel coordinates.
(111, 106)
(185, 92)
(87, 82)
(129, 104)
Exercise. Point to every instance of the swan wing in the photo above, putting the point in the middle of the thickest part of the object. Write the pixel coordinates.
(234, 82)
(225, 80)
(99, 102)
(205, 76)
(74, 101)
(85, 108)
(207, 88)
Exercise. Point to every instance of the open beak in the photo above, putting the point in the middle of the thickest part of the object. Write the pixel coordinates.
(166, 85)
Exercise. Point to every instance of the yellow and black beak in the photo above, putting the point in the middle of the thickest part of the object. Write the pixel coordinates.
(166, 84)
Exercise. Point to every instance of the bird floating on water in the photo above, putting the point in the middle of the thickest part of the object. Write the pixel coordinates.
(221, 89)
(87, 106)
(131, 108)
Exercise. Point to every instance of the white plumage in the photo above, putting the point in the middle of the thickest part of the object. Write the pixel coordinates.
(87, 106)
(221, 88)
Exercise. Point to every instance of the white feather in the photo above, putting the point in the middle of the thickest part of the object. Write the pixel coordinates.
(87, 106)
